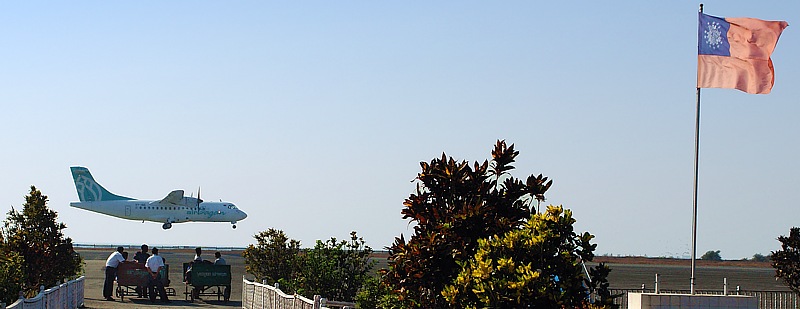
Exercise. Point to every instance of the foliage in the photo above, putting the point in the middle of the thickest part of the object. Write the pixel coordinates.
(11, 274)
(274, 259)
(711, 256)
(537, 266)
(758, 257)
(375, 294)
(35, 235)
(787, 260)
(454, 205)
(335, 269)
(599, 287)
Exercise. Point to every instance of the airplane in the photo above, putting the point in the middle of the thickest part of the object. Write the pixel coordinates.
(174, 208)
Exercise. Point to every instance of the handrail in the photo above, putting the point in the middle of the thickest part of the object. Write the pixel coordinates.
(262, 295)
(66, 295)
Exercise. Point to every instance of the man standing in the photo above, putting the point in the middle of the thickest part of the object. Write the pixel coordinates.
(154, 265)
(141, 258)
(111, 272)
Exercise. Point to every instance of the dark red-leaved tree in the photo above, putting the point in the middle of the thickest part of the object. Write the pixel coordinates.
(454, 205)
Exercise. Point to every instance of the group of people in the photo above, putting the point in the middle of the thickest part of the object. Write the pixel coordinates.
(153, 264)
(218, 260)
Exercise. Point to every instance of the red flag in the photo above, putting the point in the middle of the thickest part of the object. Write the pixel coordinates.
(735, 53)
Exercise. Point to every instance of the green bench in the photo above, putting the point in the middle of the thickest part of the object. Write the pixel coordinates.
(204, 278)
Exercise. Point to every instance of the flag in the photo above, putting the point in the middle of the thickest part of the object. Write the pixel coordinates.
(735, 53)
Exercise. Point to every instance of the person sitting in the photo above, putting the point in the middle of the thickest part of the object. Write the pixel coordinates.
(221, 261)
(196, 289)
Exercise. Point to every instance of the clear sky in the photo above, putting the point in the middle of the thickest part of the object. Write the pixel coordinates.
(313, 116)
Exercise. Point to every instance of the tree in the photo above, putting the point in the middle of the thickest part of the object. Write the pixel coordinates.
(787, 260)
(274, 259)
(335, 269)
(11, 274)
(35, 235)
(537, 266)
(454, 206)
(758, 257)
(711, 255)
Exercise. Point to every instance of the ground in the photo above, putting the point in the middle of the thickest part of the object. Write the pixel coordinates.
(627, 273)
(95, 263)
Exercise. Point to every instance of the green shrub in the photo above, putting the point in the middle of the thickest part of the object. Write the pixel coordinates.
(787, 260)
(335, 269)
(538, 265)
(34, 234)
(11, 276)
(274, 258)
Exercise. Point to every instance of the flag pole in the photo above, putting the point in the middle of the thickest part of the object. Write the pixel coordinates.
(694, 197)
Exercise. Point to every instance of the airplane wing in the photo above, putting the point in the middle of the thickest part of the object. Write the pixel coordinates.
(173, 197)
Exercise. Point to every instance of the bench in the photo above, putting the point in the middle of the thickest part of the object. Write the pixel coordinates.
(204, 277)
(131, 275)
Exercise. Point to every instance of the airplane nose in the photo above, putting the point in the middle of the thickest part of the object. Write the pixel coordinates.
(242, 214)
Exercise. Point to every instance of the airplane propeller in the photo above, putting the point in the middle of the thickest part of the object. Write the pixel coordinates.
(198, 197)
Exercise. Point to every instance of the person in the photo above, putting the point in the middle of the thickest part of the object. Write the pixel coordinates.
(188, 275)
(125, 256)
(197, 252)
(154, 264)
(111, 272)
(221, 261)
(141, 258)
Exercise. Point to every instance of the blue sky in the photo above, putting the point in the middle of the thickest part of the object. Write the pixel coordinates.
(313, 116)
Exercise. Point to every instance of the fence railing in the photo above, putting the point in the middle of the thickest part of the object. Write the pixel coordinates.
(68, 295)
(263, 296)
(766, 299)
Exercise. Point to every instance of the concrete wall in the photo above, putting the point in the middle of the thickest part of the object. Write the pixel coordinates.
(685, 301)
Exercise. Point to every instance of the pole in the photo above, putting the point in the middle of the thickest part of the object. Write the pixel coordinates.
(694, 196)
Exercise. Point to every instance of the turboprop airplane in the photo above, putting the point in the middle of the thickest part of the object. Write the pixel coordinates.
(174, 208)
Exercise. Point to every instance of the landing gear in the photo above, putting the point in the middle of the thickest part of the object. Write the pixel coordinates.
(166, 226)
(234, 224)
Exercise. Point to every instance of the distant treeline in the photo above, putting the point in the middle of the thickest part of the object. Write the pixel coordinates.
(160, 247)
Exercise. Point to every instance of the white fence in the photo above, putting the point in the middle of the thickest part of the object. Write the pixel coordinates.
(766, 299)
(68, 295)
(263, 296)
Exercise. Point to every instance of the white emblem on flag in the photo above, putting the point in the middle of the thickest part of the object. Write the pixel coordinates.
(713, 35)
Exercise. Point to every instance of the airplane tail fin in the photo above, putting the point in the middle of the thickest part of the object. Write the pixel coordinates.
(88, 189)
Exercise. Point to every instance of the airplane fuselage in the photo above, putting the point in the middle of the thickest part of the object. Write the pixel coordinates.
(174, 208)
(155, 211)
